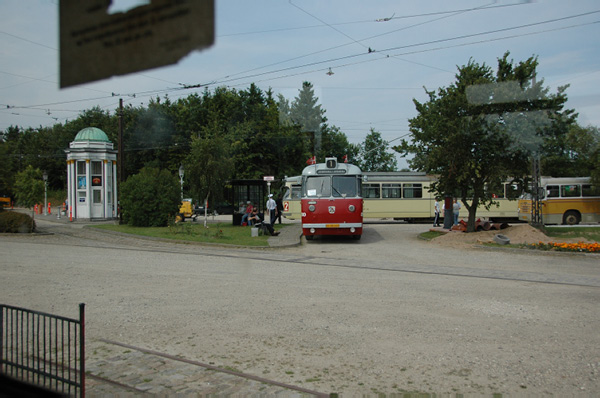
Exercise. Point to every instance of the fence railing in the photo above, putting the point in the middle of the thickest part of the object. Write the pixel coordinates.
(43, 349)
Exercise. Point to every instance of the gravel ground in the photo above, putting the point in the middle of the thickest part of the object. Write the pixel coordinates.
(388, 314)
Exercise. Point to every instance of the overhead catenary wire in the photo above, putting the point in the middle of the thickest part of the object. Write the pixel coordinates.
(279, 71)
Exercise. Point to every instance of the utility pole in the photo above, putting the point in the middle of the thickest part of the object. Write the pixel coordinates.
(120, 155)
(536, 214)
(120, 144)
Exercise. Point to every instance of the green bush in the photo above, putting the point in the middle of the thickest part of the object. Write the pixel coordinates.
(14, 222)
(150, 198)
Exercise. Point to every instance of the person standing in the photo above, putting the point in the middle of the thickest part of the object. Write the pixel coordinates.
(272, 208)
(455, 210)
(279, 202)
(436, 208)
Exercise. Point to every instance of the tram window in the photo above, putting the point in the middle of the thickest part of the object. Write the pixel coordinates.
(552, 191)
(413, 191)
(589, 190)
(496, 190)
(391, 191)
(296, 192)
(318, 186)
(570, 191)
(344, 186)
(371, 191)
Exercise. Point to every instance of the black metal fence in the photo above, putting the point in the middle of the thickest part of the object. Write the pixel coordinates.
(43, 349)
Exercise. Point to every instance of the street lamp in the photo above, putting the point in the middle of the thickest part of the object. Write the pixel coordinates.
(45, 177)
(181, 171)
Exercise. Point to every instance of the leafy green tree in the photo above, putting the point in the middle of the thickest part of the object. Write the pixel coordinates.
(374, 155)
(595, 172)
(335, 143)
(29, 187)
(150, 198)
(209, 166)
(568, 149)
(460, 133)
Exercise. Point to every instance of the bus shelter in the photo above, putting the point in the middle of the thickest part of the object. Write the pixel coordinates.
(244, 191)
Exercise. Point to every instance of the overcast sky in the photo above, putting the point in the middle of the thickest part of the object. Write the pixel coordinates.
(280, 44)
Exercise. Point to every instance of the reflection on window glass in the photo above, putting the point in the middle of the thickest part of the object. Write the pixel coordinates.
(513, 191)
(570, 191)
(391, 191)
(413, 190)
(344, 186)
(496, 190)
(97, 196)
(80, 168)
(296, 192)
(590, 190)
(318, 186)
(96, 167)
(371, 191)
(552, 191)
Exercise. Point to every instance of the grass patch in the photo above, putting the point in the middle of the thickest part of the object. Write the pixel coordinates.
(590, 233)
(429, 235)
(221, 233)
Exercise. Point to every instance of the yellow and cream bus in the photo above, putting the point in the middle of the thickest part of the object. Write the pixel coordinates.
(564, 200)
(406, 196)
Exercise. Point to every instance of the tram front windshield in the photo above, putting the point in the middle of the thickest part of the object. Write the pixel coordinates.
(336, 186)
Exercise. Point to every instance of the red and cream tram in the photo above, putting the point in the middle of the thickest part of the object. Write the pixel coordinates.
(331, 201)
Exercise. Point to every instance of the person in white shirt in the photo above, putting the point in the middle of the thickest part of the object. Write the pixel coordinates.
(272, 208)
(436, 208)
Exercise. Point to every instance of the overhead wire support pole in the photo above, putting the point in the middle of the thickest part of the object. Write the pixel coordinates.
(120, 154)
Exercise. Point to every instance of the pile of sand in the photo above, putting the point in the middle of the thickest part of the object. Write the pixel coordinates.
(518, 234)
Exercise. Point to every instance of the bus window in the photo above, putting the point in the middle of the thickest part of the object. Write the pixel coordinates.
(371, 191)
(318, 186)
(391, 191)
(413, 190)
(344, 186)
(589, 190)
(552, 191)
(570, 191)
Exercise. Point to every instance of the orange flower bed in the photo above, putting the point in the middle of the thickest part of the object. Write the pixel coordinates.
(568, 247)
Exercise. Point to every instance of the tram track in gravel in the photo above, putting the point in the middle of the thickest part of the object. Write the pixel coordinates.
(277, 257)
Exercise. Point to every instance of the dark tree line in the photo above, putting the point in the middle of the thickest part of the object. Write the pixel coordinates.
(242, 134)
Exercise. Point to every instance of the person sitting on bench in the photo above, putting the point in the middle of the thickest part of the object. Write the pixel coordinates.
(259, 222)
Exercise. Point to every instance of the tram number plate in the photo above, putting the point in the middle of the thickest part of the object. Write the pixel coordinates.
(332, 225)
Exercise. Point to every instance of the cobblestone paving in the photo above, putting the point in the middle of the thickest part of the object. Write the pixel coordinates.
(114, 370)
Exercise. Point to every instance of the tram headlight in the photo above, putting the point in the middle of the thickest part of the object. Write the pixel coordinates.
(311, 207)
(351, 208)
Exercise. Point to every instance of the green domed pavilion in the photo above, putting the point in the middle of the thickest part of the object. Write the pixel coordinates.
(92, 175)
